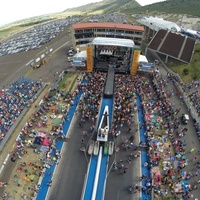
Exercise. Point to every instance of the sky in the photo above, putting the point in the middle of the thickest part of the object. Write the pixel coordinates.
(14, 10)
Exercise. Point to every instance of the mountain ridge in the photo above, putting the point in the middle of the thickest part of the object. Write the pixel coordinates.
(104, 6)
(189, 7)
(172, 10)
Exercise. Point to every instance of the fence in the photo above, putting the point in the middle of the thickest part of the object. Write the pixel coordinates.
(56, 84)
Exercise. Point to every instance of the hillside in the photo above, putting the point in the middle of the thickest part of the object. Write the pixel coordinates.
(182, 12)
(106, 6)
(189, 7)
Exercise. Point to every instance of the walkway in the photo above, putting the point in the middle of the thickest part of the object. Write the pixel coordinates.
(144, 156)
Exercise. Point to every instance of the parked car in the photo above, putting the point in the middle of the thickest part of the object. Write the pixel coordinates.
(70, 53)
(185, 118)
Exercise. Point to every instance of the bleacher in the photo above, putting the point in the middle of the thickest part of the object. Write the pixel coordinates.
(172, 44)
(25, 88)
(187, 52)
(14, 100)
(10, 109)
(154, 44)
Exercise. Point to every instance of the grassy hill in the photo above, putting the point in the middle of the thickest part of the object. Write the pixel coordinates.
(106, 6)
(189, 7)
(193, 69)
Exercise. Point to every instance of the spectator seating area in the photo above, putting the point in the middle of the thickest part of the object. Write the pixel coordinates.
(14, 100)
(187, 52)
(10, 110)
(177, 41)
(173, 45)
(154, 44)
(25, 88)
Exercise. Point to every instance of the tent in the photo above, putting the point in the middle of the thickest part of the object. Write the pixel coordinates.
(143, 59)
(56, 121)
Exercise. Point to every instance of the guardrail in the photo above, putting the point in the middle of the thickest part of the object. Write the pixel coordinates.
(104, 188)
(96, 180)
(56, 84)
(85, 180)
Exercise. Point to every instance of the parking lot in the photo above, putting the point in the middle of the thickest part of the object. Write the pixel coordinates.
(35, 37)
(108, 18)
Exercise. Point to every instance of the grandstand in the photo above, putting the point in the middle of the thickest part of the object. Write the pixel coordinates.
(25, 88)
(10, 110)
(173, 45)
(154, 24)
(13, 102)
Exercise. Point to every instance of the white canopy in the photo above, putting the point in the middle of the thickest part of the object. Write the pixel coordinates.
(156, 24)
(81, 54)
(113, 42)
(143, 59)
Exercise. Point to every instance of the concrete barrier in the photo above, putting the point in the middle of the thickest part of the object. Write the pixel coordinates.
(29, 63)
(42, 56)
(96, 180)
(85, 180)
(56, 84)
(37, 59)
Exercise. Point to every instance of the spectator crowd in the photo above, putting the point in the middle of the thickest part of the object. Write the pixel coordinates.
(164, 134)
(14, 100)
